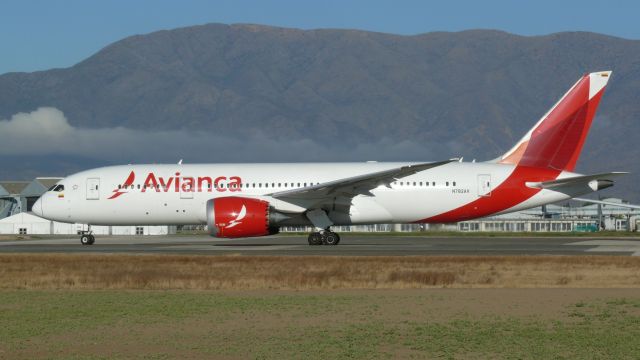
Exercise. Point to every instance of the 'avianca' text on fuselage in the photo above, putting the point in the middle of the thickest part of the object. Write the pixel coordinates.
(178, 183)
(242, 200)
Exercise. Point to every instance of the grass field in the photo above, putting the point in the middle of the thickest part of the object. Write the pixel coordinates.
(238, 307)
(189, 272)
(380, 324)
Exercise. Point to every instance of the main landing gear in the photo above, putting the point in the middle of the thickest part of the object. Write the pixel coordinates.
(86, 237)
(325, 237)
(322, 223)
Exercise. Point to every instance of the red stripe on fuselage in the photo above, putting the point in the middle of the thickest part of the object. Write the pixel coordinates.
(508, 194)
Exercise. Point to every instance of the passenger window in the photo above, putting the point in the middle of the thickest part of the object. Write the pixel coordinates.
(414, 183)
(433, 183)
(447, 183)
(454, 183)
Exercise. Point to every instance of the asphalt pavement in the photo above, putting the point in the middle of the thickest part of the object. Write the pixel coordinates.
(350, 245)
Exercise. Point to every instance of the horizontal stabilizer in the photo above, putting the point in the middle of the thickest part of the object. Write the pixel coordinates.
(577, 184)
(611, 203)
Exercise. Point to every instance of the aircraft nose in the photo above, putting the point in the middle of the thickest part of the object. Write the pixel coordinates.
(37, 208)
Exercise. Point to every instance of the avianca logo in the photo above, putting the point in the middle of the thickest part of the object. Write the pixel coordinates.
(238, 219)
(123, 189)
(178, 183)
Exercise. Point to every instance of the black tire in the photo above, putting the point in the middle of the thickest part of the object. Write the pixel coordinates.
(85, 240)
(92, 239)
(315, 239)
(330, 238)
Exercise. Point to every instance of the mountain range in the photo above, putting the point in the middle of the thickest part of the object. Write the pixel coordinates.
(471, 93)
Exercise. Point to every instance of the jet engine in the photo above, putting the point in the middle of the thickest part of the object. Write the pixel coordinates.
(234, 217)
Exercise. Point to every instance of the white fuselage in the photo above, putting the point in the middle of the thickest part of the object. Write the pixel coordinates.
(177, 194)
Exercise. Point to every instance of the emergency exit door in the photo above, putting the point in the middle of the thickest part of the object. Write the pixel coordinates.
(93, 189)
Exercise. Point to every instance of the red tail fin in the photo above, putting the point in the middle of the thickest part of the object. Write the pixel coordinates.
(556, 140)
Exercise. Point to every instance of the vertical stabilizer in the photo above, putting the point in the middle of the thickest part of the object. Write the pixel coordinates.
(556, 141)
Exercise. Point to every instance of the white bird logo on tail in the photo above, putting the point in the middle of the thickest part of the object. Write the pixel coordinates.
(238, 219)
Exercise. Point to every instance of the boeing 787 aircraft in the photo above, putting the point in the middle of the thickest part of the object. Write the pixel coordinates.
(243, 200)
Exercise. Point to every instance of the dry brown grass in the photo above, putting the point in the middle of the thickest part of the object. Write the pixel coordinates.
(63, 271)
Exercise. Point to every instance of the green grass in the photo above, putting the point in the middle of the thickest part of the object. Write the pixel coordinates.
(172, 324)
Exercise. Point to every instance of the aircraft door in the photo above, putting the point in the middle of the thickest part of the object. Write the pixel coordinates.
(93, 189)
(484, 185)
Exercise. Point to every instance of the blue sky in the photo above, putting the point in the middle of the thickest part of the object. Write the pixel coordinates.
(39, 35)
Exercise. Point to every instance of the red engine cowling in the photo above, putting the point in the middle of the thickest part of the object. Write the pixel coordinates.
(233, 217)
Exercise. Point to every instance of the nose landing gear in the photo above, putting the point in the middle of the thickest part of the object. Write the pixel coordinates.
(86, 237)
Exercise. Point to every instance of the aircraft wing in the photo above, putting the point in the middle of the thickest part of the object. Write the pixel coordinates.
(352, 186)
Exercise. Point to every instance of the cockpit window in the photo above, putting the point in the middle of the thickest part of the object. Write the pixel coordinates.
(59, 188)
(51, 188)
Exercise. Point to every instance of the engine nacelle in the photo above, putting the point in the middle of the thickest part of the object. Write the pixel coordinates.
(233, 217)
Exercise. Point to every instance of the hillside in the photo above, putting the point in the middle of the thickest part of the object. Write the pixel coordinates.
(471, 93)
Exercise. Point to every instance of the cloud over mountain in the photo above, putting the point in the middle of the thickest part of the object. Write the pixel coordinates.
(46, 131)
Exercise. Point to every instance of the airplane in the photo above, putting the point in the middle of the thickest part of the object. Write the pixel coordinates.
(250, 200)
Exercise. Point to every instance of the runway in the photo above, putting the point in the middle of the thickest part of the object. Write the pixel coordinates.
(370, 245)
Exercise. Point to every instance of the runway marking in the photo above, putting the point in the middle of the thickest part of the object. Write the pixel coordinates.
(632, 246)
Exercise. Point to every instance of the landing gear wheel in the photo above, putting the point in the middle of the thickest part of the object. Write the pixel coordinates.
(330, 238)
(86, 239)
(315, 239)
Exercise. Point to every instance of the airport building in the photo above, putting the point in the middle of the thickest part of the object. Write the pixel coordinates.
(17, 199)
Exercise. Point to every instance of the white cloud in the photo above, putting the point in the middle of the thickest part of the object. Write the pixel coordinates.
(46, 131)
